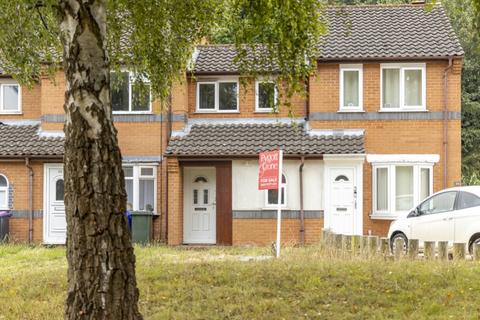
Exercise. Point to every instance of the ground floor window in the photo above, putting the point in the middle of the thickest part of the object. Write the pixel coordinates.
(140, 184)
(3, 192)
(398, 187)
(272, 195)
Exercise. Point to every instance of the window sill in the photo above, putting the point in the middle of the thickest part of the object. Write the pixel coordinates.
(215, 112)
(350, 111)
(383, 216)
(403, 110)
(131, 112)
(13, 113)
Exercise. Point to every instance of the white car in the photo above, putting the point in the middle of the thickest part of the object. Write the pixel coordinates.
(451, 215)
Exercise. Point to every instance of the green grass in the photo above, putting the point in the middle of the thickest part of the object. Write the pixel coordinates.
(306, 283)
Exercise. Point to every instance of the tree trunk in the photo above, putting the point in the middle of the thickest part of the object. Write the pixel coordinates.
(101, 261)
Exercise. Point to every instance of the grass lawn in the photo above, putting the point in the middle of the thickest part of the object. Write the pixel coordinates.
(306, 283)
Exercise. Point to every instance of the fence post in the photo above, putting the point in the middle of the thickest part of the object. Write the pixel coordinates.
(476, 251)
(356, 245)
(325, 235)
(364, 244)
(413, 249)
(384, 247)
(429, 248)
(443, 250)
(338, 241)
(459, 251)
(372, 245)
(398, 248)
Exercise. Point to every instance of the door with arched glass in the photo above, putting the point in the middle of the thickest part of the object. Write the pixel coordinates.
(55, 225)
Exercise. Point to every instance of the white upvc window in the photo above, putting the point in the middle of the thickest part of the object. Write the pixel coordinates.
(397, 187)
(3, 192)
(141, 187)
(266, 96)
(403, 87)
(351, 87)
(217, 96)
(127, 96)
(271, 196)
(10, 97)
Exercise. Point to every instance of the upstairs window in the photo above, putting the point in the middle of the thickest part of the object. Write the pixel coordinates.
(3, 192)
(128, 96)
(10, 97)
(217, 96)
(403, 87)
(266, 96)
(351, 88)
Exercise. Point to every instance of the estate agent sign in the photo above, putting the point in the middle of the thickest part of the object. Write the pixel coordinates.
(269, 178)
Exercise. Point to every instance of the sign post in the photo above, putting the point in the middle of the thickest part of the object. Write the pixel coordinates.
(270, 178)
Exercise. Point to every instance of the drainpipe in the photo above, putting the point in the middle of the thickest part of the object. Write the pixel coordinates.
(302, 213)
(30, 200)
(169, 135)
(445, 122)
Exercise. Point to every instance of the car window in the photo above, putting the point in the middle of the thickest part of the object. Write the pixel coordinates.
(442, 202)
(467, 200)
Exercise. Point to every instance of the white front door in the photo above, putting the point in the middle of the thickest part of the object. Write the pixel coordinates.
(54, 222)
(199, 219)
(342, 200)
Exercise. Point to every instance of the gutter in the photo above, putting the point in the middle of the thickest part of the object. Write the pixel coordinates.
(30, 200)
(445, 122)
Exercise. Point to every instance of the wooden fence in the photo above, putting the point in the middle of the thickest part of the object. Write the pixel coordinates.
(371, 246)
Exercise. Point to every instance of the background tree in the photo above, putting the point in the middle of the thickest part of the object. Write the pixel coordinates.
(155, 40)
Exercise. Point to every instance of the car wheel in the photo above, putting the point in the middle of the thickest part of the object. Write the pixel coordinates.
(399, 235)
(474, 241)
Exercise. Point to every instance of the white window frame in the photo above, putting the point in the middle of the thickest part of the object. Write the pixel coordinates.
(282, 186)
(402, 67)
(351, 67)
(6, 192)
(391, 181)
(217, 96)
(136, 184)
(10, 83)
(257, 91)
(131, 79)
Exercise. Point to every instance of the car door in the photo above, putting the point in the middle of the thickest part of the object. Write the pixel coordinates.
(466, 217)
(434, 218)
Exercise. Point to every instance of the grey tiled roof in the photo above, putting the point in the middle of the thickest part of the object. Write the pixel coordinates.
(364, 32)
(24, 140)
(388, 31)
(250, 139)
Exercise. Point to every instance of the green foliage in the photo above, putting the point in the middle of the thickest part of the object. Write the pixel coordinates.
(305, 283)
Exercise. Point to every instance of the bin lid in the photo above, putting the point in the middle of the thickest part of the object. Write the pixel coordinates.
(141, 213)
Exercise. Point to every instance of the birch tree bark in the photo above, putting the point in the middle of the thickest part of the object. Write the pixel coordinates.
(101, 262)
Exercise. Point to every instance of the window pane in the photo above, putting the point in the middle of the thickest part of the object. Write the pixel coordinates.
(146, 171)
(350, 88)
(207, 96)
(468, 200)
(413, 87)
(128, 172)
(146, 195)
(119, 91)
(10, 97)
(442, 202)
(3, 198)
(227, 96)
(382, 189)
(129, 189)
(424, 183)
(266, 95)
(3, 181)
(59, 190)
(141, 97)
(391, 88)
(195, 196)
(205, 196)
(403, 188)
(273, 196)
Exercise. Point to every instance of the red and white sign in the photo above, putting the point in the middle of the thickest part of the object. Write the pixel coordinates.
(269, 167)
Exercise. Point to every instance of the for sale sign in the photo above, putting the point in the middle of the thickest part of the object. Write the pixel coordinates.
(269, 166)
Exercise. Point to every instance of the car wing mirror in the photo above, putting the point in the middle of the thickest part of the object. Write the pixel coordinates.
(413, 213)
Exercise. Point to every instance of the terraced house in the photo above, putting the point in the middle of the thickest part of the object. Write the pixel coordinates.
(378, 130)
